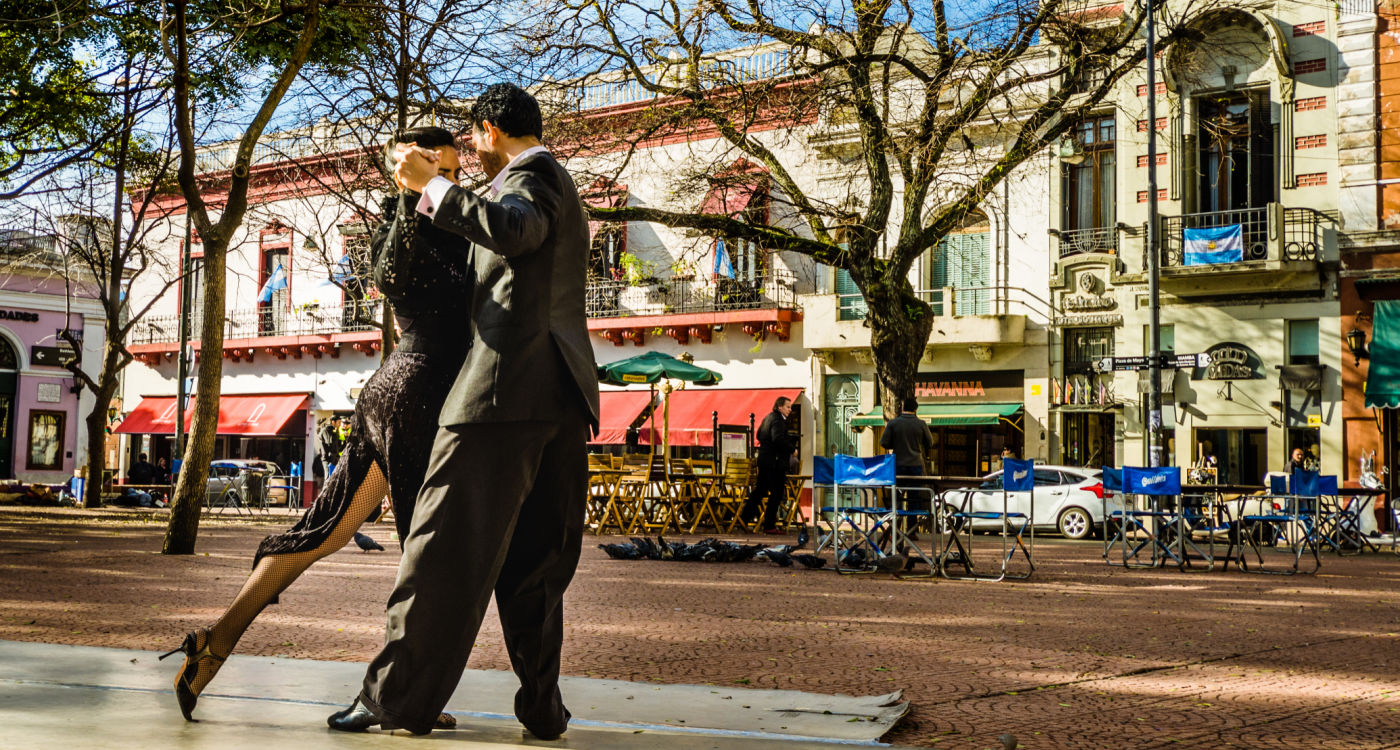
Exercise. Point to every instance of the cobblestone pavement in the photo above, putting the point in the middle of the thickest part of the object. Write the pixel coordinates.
(1082, 656)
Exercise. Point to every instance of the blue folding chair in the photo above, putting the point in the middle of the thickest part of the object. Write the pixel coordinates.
(1015, 527)
(857, 530)
(1287, 521)
(1148, 520)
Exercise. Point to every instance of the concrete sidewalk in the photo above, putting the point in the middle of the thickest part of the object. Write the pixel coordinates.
(54, 696)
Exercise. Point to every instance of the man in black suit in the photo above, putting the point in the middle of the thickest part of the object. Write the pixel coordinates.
(502, 507)
(775, 449)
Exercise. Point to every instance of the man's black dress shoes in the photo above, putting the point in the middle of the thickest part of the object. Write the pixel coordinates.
(357, 718)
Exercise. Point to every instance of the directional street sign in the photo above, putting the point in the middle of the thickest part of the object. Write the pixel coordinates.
(51, 356)
(1169, 361)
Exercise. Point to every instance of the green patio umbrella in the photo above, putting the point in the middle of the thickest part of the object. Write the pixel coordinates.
(651, 368)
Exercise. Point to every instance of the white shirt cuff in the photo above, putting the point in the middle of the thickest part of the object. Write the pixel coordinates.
(433, 193)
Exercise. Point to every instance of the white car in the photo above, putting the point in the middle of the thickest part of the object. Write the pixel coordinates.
(1069, 499)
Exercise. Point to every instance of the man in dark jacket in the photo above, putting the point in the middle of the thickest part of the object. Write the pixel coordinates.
(775, 449)
(327, 446)
(910, 439)
(512, 439)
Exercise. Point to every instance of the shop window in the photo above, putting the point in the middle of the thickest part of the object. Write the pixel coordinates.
(1085, 346)
(1089, 191)
(1302, 342)
(1235, 137)
(8, 359)
(1166, 336)
(46, 440)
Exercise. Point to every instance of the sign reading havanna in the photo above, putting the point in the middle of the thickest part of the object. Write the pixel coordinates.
(990, 386)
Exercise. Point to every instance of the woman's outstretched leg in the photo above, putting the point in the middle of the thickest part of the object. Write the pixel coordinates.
(274, 572)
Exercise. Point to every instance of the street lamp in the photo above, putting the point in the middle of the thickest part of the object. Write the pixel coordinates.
(1356, 342)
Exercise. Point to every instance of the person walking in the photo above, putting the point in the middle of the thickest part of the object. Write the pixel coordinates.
(502, 508)
(910, 440)
(327, 446)
(775, 449)
(420, 270)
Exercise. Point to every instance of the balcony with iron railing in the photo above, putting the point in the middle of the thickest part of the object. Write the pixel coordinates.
(716, 71)
(276, 331)
(980, 315)
(683, 307)
(1280, 249)
(1082, 241)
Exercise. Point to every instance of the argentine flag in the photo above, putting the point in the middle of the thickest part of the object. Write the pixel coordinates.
(275, 283)
(1213, 245)
(722, 265)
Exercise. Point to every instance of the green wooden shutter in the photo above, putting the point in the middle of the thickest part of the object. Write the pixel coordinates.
(851, 303)
(968, 260)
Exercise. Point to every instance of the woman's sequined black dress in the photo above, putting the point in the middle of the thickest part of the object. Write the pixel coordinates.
(422, 272)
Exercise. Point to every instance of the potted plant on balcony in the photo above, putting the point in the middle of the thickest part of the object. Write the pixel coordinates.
(637, 272)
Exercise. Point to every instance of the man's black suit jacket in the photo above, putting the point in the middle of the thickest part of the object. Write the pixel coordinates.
(530, 335)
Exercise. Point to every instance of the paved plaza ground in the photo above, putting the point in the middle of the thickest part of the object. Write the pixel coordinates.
(1082, 656)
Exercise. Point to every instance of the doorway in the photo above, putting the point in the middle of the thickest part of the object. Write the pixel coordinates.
(842, 404)
(9, 378)
(1241, 455)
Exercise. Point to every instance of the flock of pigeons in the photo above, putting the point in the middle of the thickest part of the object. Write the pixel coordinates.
(714, 550)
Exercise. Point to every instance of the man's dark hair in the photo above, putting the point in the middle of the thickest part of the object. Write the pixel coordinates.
(509, 108)
(911, 404)
(140, 457)
(781, 402)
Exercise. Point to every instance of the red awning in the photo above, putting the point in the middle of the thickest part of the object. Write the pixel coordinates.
(735, 189)
(238, 415)
(618, 410)
(692, 411)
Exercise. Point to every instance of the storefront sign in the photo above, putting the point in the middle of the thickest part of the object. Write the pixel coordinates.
(1231, 361)
(1086, 302)
(1104, 319)
(993, 385)
(21, 316)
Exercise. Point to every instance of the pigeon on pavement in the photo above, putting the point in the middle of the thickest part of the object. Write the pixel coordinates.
(367, 543)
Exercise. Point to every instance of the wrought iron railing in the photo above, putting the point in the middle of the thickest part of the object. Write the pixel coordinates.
(1254, 231)
(1302, 233)
(267, 322)
(1268, 233)
(619, 299)
(1094, 240)
(959, 301)
(717, 71)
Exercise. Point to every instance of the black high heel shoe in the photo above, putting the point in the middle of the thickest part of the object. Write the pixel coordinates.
(194, 654)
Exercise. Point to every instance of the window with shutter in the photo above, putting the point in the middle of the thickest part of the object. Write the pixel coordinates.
(851, 303)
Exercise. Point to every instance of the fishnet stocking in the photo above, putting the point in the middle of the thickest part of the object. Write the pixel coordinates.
(274, 573)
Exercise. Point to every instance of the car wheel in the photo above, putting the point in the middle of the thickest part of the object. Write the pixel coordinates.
(1075, 523)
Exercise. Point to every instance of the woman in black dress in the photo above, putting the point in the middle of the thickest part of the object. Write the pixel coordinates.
(421, 271)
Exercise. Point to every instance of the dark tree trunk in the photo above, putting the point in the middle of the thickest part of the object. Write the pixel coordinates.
(899, 329)
(97, 451)
(194, 469)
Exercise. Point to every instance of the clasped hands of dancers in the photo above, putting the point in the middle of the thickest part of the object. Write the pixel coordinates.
(475, 427)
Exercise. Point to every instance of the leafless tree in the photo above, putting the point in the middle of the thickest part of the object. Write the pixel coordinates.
(98, 213)
(203, 43)
(925, 107)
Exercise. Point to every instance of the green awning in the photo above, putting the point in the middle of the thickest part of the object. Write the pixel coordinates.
(948, 415)
(1383, 379)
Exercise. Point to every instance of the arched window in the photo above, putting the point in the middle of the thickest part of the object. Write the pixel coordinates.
(9, 360)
